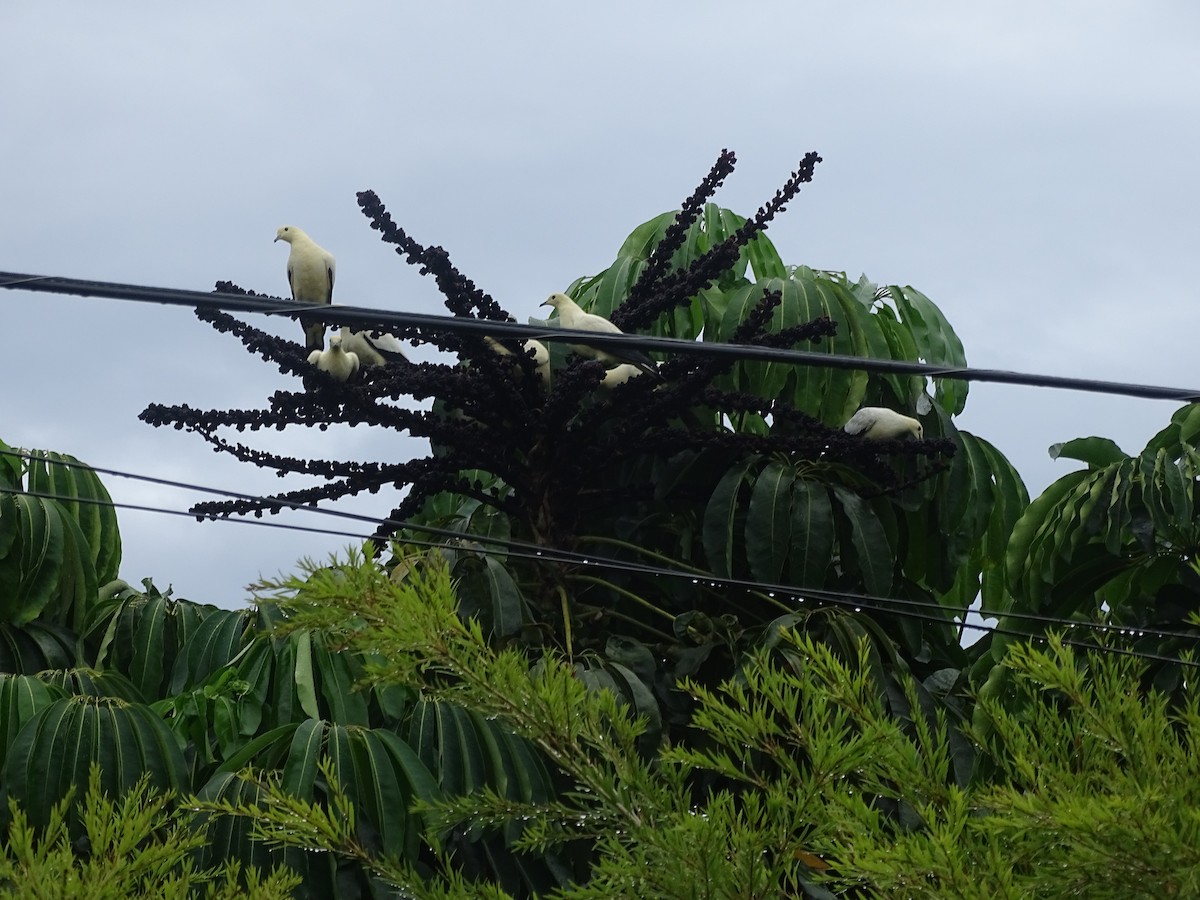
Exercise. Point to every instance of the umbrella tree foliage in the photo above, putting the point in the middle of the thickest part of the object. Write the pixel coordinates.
(733, 473)
(161, 697)
(722, 500)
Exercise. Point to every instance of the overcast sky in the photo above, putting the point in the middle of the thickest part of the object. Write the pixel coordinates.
(1030, 166)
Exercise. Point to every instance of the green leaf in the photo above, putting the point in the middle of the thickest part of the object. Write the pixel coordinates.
(936, 343)
(768, 525)
(84, 499)
(507, 602)
(303, 674)
(300, 770)
(55, 749)
(872, 555)
(1097, 452)
(1022, 558)
(214, 643)
(719, 518)
(32, 565)
(338, 674)
(812, 534)
(1189, 423)
(443, 737)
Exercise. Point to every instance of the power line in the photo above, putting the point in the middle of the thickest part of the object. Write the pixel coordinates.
(524, 550)
(365, 316)
(800, 595)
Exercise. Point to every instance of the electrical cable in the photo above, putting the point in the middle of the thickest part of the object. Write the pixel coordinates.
(365, 316)
(525, 550)
(825, 596)
(858, 602)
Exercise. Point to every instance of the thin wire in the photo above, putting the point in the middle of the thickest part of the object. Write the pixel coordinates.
(825, 596)
(365, 316)
(525, 550)
(857, 602)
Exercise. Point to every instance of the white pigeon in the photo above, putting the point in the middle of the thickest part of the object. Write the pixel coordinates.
(310, 271)
(373, 348)
(620, 374)
(880, 424)
(571, 316)
(541, 356)
(340, 365)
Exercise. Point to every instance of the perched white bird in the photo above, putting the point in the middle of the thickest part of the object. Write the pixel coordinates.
(541, 356)
(879, 424)
(310, 275)
(373, 348)
(571, 316)
(340, 365)
(620, 374)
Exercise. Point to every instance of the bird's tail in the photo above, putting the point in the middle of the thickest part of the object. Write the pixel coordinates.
(314, 336)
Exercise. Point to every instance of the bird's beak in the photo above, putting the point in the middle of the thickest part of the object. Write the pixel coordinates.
(276, 241)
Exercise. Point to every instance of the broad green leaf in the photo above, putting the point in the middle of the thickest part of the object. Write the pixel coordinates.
(10, 471)
(300, 770)
(303, 673)
(768, 526)
(720, 516)
(84, 498)
(812, 534)
(507, 603)
(55, 749)
(21, 697)
(443, 737)
(214, 643)
(936, 343)
(337, 675)
(1189, 423)
(32, 565)
(1097, 452)
(1021, 559)
(640, 698)
(872, 555)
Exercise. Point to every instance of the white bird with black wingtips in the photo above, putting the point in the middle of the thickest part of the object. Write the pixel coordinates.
(373, 348)
(340, 365)
(310, 270)
(571, 316)
(879, 423)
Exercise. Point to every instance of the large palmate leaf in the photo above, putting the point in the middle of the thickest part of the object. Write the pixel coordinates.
(812, 534)
(936, 343)
(213, 643)
(603, 293)
(381, 775)
(57, 746)
(80, 492)
(1114, 534)
(467, 753)
(21, 697)
(28, 649)
(140, 634)
(58, 538)
(829, 394)
(45, 568)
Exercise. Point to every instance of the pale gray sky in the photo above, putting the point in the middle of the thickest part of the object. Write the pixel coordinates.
(1029, 166)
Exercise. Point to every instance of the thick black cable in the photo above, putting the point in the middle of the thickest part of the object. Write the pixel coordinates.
(365, 316)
